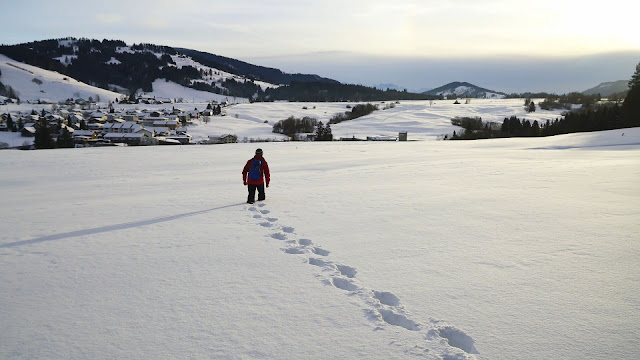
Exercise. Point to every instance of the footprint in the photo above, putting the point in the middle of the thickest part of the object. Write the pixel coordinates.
(321, 252)
(253, 208)
(319, 262)
(279, 236)
(344, 284)
(264, 212)
(347, 271)
(392, 318)
(288, 229)
(457, 338)
(257, 216)
(272, 219)
(262, 205)
(293, 250)
(386, 298)
(265, 224)
(305, 242)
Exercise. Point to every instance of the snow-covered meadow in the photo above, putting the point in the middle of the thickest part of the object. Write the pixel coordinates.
(422, 120)
(501, 249)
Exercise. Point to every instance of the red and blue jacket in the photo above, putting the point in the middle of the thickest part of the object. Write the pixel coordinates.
(265, 177)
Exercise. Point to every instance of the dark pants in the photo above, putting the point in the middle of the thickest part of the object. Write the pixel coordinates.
(252, 192)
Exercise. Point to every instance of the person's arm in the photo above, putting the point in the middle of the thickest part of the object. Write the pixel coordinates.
(245, 170)
(267, 175)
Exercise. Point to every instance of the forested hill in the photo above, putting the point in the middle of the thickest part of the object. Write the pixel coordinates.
(112, 64)
(270, 75)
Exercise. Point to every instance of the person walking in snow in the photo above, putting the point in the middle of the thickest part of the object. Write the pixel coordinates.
(255, 175)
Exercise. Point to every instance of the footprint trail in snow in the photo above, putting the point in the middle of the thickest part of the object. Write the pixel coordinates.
(381, 307)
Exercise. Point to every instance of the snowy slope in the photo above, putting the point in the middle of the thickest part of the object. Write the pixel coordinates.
(608, 88)
(511, 248)
(214, 75)
(163, 89)
(33, 84)
(423, 120)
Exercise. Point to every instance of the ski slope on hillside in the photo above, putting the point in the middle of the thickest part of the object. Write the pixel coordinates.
(501, 249)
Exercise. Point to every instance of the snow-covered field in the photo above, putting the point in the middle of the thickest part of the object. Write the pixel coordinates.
(423, 120)
(509, 249)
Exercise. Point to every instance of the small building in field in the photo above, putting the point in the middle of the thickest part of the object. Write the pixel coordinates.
(222, 139)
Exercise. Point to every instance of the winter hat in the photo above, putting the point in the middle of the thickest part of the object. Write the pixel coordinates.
(259, 152)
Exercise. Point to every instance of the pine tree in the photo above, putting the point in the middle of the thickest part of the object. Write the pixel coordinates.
(532, 107)
(10, 125)
(320, 132)
(65, 140)
(635, 78)
(631, 108)
(535, 128)
(43, 139)
(328, 136)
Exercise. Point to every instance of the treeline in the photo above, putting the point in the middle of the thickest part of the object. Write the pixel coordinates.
(335, 92)
(292, 126)
(553, 102)
(356, 112)
(603, 117)
(588, 118)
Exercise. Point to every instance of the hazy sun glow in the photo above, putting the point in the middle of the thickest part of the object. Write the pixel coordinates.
(414, 28)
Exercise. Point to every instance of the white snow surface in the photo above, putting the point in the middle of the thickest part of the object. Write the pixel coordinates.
(423, 120)
(170, 90)
(500, 249)
(49, 85)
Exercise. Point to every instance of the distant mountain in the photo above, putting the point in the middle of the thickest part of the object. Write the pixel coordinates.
(465, 89)
(139, 68)
(608, 88)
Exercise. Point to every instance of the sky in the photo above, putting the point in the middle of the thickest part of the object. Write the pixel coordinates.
(449, 38)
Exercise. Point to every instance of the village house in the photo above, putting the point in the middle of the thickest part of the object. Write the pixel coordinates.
(122, 128)
(85, 134)
(28, 131)
(130, 117)
(222, 139)
(141, 138)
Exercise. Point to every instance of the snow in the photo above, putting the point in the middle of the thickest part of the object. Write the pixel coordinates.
(66, 59)
(218, 76)
(114, 61)
(499, 249)
(422, 120)
(33, 84)
(169, 90)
